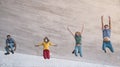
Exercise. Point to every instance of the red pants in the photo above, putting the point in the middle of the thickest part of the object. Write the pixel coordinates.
(46, 54)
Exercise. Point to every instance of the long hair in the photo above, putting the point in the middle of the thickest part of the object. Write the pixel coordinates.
(77, 34)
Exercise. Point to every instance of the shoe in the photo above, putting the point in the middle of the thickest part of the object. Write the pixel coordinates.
(7, 53)
(105, 51)
(81, 56)
(73, 52)
(12, 52)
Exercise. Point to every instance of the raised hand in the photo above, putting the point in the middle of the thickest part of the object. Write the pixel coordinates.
(82, 28)
(70, 31)
(102, 22)
(36, 45)
(109, 22)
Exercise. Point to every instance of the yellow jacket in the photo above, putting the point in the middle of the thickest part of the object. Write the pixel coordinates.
(45, 45)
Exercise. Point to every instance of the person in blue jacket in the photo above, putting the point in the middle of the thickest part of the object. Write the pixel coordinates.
(10, 45)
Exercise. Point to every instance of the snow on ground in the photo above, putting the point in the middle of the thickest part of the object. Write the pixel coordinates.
(23, 60)
(29, 21)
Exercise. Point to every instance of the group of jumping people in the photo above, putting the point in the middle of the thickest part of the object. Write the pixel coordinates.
(106, 31)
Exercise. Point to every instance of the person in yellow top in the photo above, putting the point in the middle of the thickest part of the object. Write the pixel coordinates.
(46, 43)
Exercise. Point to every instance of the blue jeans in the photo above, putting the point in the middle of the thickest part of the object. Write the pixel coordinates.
(78, 49)
(108, 45)
(11, 46)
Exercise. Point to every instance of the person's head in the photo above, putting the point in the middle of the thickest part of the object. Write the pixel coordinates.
(46, 39)
(8, 36)
(77, 33)
(106, 26)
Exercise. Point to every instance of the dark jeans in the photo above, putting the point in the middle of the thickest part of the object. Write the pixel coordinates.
(10, 47)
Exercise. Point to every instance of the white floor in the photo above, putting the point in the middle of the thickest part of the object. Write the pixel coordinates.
(22, 60)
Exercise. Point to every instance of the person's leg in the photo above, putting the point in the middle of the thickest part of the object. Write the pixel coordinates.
(110, 47)
(76, 50)
(104, 46)
(48, 54)
(7, 50)
(44, 54)
(80, 50)
(12, 46)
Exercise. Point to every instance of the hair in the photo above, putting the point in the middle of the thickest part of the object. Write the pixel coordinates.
(47, 39)
(105, 25)
(8, 35)
(77, 33)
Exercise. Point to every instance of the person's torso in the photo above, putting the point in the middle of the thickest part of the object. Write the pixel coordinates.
(46, 45)
(78, 39)
(11, 40)
(106, 33)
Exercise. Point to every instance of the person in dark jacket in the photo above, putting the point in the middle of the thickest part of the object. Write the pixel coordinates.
(10, 45)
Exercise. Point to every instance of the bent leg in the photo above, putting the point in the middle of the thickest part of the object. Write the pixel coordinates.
(104, 46)
(48, 54)
(44, 54)
(110, 47)
(7, 49)
(76, 50)
(80, 50)
(11, 46)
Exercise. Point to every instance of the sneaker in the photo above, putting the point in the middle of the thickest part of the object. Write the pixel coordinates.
(81, 56)
(105, 51)
(7, 53)
(12, 52)
(73, 52)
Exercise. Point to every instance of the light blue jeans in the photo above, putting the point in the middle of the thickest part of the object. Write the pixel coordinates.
(78, 49)
(10, 46)
(108, 45)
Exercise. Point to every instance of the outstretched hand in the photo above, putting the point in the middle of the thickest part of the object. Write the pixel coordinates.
(55, 45)
(109, 17)
(36, 45)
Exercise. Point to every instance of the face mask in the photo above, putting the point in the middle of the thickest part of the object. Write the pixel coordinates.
(46, 40)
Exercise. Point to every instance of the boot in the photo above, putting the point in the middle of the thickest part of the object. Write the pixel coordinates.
(12, 52)
(7, 53)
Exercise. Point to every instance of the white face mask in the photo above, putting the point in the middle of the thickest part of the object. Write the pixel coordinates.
(46, 40)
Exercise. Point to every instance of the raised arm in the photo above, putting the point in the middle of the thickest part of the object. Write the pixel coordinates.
(70, 32)
(82, 29)
(102, 22)
(109, 22)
